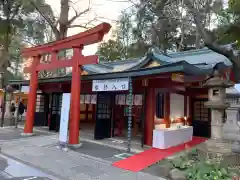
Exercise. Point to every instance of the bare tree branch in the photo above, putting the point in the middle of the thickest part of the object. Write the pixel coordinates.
(78, 14)
(84, 26)
(49, 21)
(77, 26)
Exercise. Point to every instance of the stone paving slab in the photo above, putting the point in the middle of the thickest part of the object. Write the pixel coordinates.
(100, 151)
(114, 143)
(11, 133)
(69, 165)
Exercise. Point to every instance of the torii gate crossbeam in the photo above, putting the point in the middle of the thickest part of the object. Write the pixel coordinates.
(76, 42)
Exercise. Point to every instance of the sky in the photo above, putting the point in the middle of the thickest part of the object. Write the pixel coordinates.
(104, 10)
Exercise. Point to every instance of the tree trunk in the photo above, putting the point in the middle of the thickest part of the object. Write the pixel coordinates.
(63, 29)
(63, 19)
(197, 40)
(182, 28)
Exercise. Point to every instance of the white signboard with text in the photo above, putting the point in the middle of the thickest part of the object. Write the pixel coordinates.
(63, 133)
(121, 84)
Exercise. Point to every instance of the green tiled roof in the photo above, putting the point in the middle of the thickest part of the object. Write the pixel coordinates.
(201, 58)
(193, 62)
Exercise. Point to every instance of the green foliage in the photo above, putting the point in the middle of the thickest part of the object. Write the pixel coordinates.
(229, 23)
(169, 25)
(182, 163)
(199, 169)
(21, 17)
(20, 24)
(111, 50)
(234, 6)
(209, 171)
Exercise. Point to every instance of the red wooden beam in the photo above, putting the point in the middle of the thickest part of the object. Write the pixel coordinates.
(88, 37)
(163, 83)
(63, 63)
(187, 92)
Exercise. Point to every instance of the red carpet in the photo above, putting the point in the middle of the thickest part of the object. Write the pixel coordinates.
(142, 160)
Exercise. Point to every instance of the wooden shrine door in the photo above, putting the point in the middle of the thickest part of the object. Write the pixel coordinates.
(201, 118)
(103, 125)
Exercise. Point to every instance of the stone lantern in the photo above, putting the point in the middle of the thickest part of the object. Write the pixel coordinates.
(216, 147)
(232, 126)
(218, 104)
(8, 116)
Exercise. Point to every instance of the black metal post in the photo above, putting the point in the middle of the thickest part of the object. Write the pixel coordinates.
(130, 100)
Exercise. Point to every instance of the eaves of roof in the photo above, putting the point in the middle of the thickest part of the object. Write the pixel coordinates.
(181, 66)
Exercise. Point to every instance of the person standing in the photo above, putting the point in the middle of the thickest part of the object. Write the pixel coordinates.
(21, 109)
(13, 108)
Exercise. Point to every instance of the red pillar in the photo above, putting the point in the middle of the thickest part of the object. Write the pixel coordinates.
(167, 110)
(31, 106)
(149, 115)
(75, 98)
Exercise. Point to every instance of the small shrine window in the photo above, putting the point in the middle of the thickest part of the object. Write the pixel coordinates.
(215, 92)
(160, 105)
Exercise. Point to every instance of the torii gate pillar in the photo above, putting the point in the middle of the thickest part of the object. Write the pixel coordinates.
(76, 42)
(31, 106)
(75, 99)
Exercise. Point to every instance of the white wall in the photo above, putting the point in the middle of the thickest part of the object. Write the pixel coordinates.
(176, 105)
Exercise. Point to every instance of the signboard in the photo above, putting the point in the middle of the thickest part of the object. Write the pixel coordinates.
(63, 133)
(121, 84)
(25, 89)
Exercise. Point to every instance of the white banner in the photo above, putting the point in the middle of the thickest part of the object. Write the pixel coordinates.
(87, 99)
(82, 99)
(93, 99)
(63, 133)
(138, 100)
(121, 84)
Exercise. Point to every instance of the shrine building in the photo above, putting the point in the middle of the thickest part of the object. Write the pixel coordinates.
(166, 90)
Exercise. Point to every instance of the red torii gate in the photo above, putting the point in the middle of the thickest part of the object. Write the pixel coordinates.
(76, 42)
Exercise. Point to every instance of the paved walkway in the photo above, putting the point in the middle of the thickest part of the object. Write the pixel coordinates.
(10, 133)
(116, 142)
(41, 152)
(14, 170)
